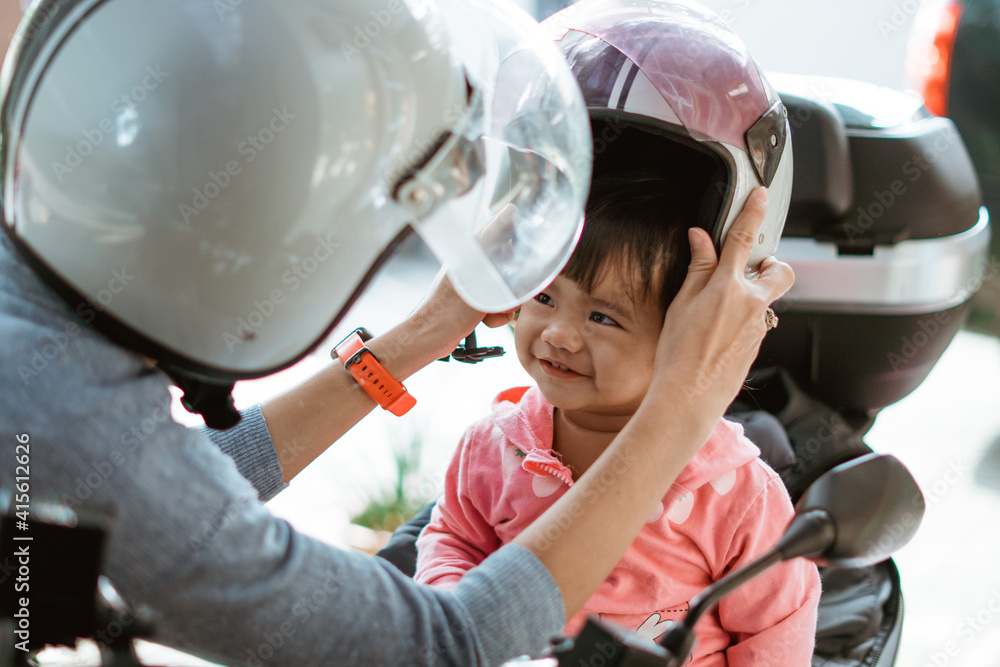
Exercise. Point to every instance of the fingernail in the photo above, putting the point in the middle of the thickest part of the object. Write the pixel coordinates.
(694, 238)
(761, 195)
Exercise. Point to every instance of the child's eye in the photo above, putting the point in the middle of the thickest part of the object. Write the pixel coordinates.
(544, 299)
(601, 318)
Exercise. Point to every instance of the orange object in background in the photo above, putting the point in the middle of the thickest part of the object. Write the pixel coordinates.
(930, 53)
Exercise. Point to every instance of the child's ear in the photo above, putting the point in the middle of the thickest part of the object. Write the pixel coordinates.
(512, 316)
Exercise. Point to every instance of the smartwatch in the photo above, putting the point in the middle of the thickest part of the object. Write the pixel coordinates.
(368, 372)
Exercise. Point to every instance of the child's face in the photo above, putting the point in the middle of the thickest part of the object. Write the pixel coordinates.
(590, 353)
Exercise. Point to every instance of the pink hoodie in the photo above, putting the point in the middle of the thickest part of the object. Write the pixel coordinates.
(726, 508)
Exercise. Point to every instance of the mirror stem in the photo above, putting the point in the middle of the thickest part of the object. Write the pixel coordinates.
(680, 639)
(808, 534)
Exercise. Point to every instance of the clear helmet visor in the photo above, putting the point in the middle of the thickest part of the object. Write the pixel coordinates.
(500, 201)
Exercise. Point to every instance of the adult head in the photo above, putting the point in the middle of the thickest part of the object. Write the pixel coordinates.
(213, 183)
(671, 88)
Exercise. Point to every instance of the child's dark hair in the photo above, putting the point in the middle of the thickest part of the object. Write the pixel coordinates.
(636, 220)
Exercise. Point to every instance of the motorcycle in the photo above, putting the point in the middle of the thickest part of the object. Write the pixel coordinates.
(888, 241)
(855, 515)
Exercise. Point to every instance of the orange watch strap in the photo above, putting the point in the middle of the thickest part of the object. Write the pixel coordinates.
(371, 375)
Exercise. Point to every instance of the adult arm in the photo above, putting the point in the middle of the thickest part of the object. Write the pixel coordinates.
(249, 445)
(223, 578)
(305, 420)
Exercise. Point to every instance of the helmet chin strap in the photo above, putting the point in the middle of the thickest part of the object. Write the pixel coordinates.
(212, 400)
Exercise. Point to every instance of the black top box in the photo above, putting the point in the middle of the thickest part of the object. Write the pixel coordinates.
(887, 237)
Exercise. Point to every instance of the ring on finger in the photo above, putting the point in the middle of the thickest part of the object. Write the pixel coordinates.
(770, 319)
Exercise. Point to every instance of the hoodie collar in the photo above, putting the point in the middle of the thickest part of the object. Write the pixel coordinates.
(524, 416)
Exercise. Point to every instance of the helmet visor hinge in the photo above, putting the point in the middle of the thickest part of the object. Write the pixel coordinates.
(453, 166)
(766, 142)
(450, 173)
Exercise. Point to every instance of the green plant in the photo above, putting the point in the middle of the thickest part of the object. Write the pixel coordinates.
(396, 503)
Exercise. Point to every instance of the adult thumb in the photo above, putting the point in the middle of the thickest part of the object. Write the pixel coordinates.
(703, 260)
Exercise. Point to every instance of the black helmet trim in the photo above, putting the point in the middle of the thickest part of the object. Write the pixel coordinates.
(94, 315)
(207, 391)
(633, 71)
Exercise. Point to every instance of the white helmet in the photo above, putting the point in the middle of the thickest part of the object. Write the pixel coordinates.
(219, 178)
(670, 86)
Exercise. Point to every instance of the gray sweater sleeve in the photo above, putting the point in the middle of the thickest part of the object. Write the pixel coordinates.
(223, 578)
(249, 445)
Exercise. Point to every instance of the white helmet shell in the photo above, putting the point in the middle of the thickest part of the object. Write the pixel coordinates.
(219, 180)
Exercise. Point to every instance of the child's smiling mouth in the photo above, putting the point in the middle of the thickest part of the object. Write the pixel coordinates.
(558, 370)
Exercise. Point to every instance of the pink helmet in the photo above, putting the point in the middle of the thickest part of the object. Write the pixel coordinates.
(670, 86)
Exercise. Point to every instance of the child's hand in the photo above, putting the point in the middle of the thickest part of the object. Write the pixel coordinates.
(715, 325)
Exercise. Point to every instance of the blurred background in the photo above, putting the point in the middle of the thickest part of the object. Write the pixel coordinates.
(947, 431)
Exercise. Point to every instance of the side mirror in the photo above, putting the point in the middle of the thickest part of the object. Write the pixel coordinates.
(873, 504)
(855, 515)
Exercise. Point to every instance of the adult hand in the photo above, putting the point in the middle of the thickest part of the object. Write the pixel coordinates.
(445, 317)
(305, 420)
(714, 327)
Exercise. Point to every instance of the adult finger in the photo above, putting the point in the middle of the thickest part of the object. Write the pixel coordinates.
(703, 262)
(775, 278)
(742, 236)
(494, 320)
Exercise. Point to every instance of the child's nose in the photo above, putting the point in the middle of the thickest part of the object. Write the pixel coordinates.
(562, 334)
